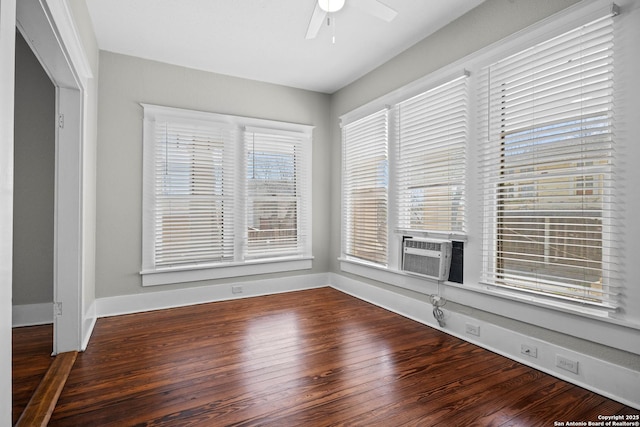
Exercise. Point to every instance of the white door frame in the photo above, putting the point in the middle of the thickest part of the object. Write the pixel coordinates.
(67, 237)
(7, 86)
(34, 20)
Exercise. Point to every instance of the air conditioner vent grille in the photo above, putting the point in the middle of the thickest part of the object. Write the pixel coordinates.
(426, 257)
(428, 266)
(423, 244)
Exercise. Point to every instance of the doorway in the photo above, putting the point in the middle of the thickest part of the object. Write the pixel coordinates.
(35, 23)
(34, 179)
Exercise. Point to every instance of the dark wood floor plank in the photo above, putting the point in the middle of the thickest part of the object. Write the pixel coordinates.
(428, 404)
(522, 400)
(31, 347)
(323, 390)
(573, 404)
(317, 357)
(394, 376)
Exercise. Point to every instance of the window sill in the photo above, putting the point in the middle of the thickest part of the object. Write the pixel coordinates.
(173, 275)
(502, 297)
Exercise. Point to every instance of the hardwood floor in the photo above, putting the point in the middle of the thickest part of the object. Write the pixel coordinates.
(31, 347)
(309, 358)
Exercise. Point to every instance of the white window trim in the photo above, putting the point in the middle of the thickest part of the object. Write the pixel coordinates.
(151, 275)
(494, 300)
(452, 94)
(496, 148)
(344, 222)
(386, 102)
(304, 212)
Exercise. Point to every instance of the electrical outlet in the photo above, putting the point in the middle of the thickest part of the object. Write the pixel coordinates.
(237, 289)
(472, 329)
(529, 350)
(567, 364)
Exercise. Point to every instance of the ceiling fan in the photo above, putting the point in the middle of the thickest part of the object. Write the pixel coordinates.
(323, 7)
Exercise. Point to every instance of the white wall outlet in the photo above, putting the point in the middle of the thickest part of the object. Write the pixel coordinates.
(567, 364)
(529, 350)
(237, 289)
(472, 329)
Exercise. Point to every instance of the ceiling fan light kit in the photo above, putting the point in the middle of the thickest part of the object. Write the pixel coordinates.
(331, 6)
(323, 7)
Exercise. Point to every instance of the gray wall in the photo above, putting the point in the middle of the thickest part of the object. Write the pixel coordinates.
(124, 83)
(34, 180)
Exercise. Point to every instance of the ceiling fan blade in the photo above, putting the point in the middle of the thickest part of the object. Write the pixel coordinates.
(375, 8)
(316, 22)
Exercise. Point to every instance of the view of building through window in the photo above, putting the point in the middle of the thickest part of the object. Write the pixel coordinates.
(551, 203)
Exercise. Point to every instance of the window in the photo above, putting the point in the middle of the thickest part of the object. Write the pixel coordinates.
(365, 187)
(222, 191)
(431, 145)
(275, 203)
(426, 134)
(193, 184)
(548, 146)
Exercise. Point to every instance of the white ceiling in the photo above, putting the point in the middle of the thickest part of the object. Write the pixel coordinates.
(265, 39)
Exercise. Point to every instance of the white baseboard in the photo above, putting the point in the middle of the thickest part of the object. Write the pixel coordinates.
(88, 323)
(32, 314)
(148, 301)
(613, 381)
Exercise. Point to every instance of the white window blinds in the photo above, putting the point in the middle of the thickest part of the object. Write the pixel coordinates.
(431, 134)
(365, 187)
(193, 182)
(223, 191)
(548, 146)
(275, 192)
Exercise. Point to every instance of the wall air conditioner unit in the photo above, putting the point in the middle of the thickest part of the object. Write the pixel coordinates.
(426, 257)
